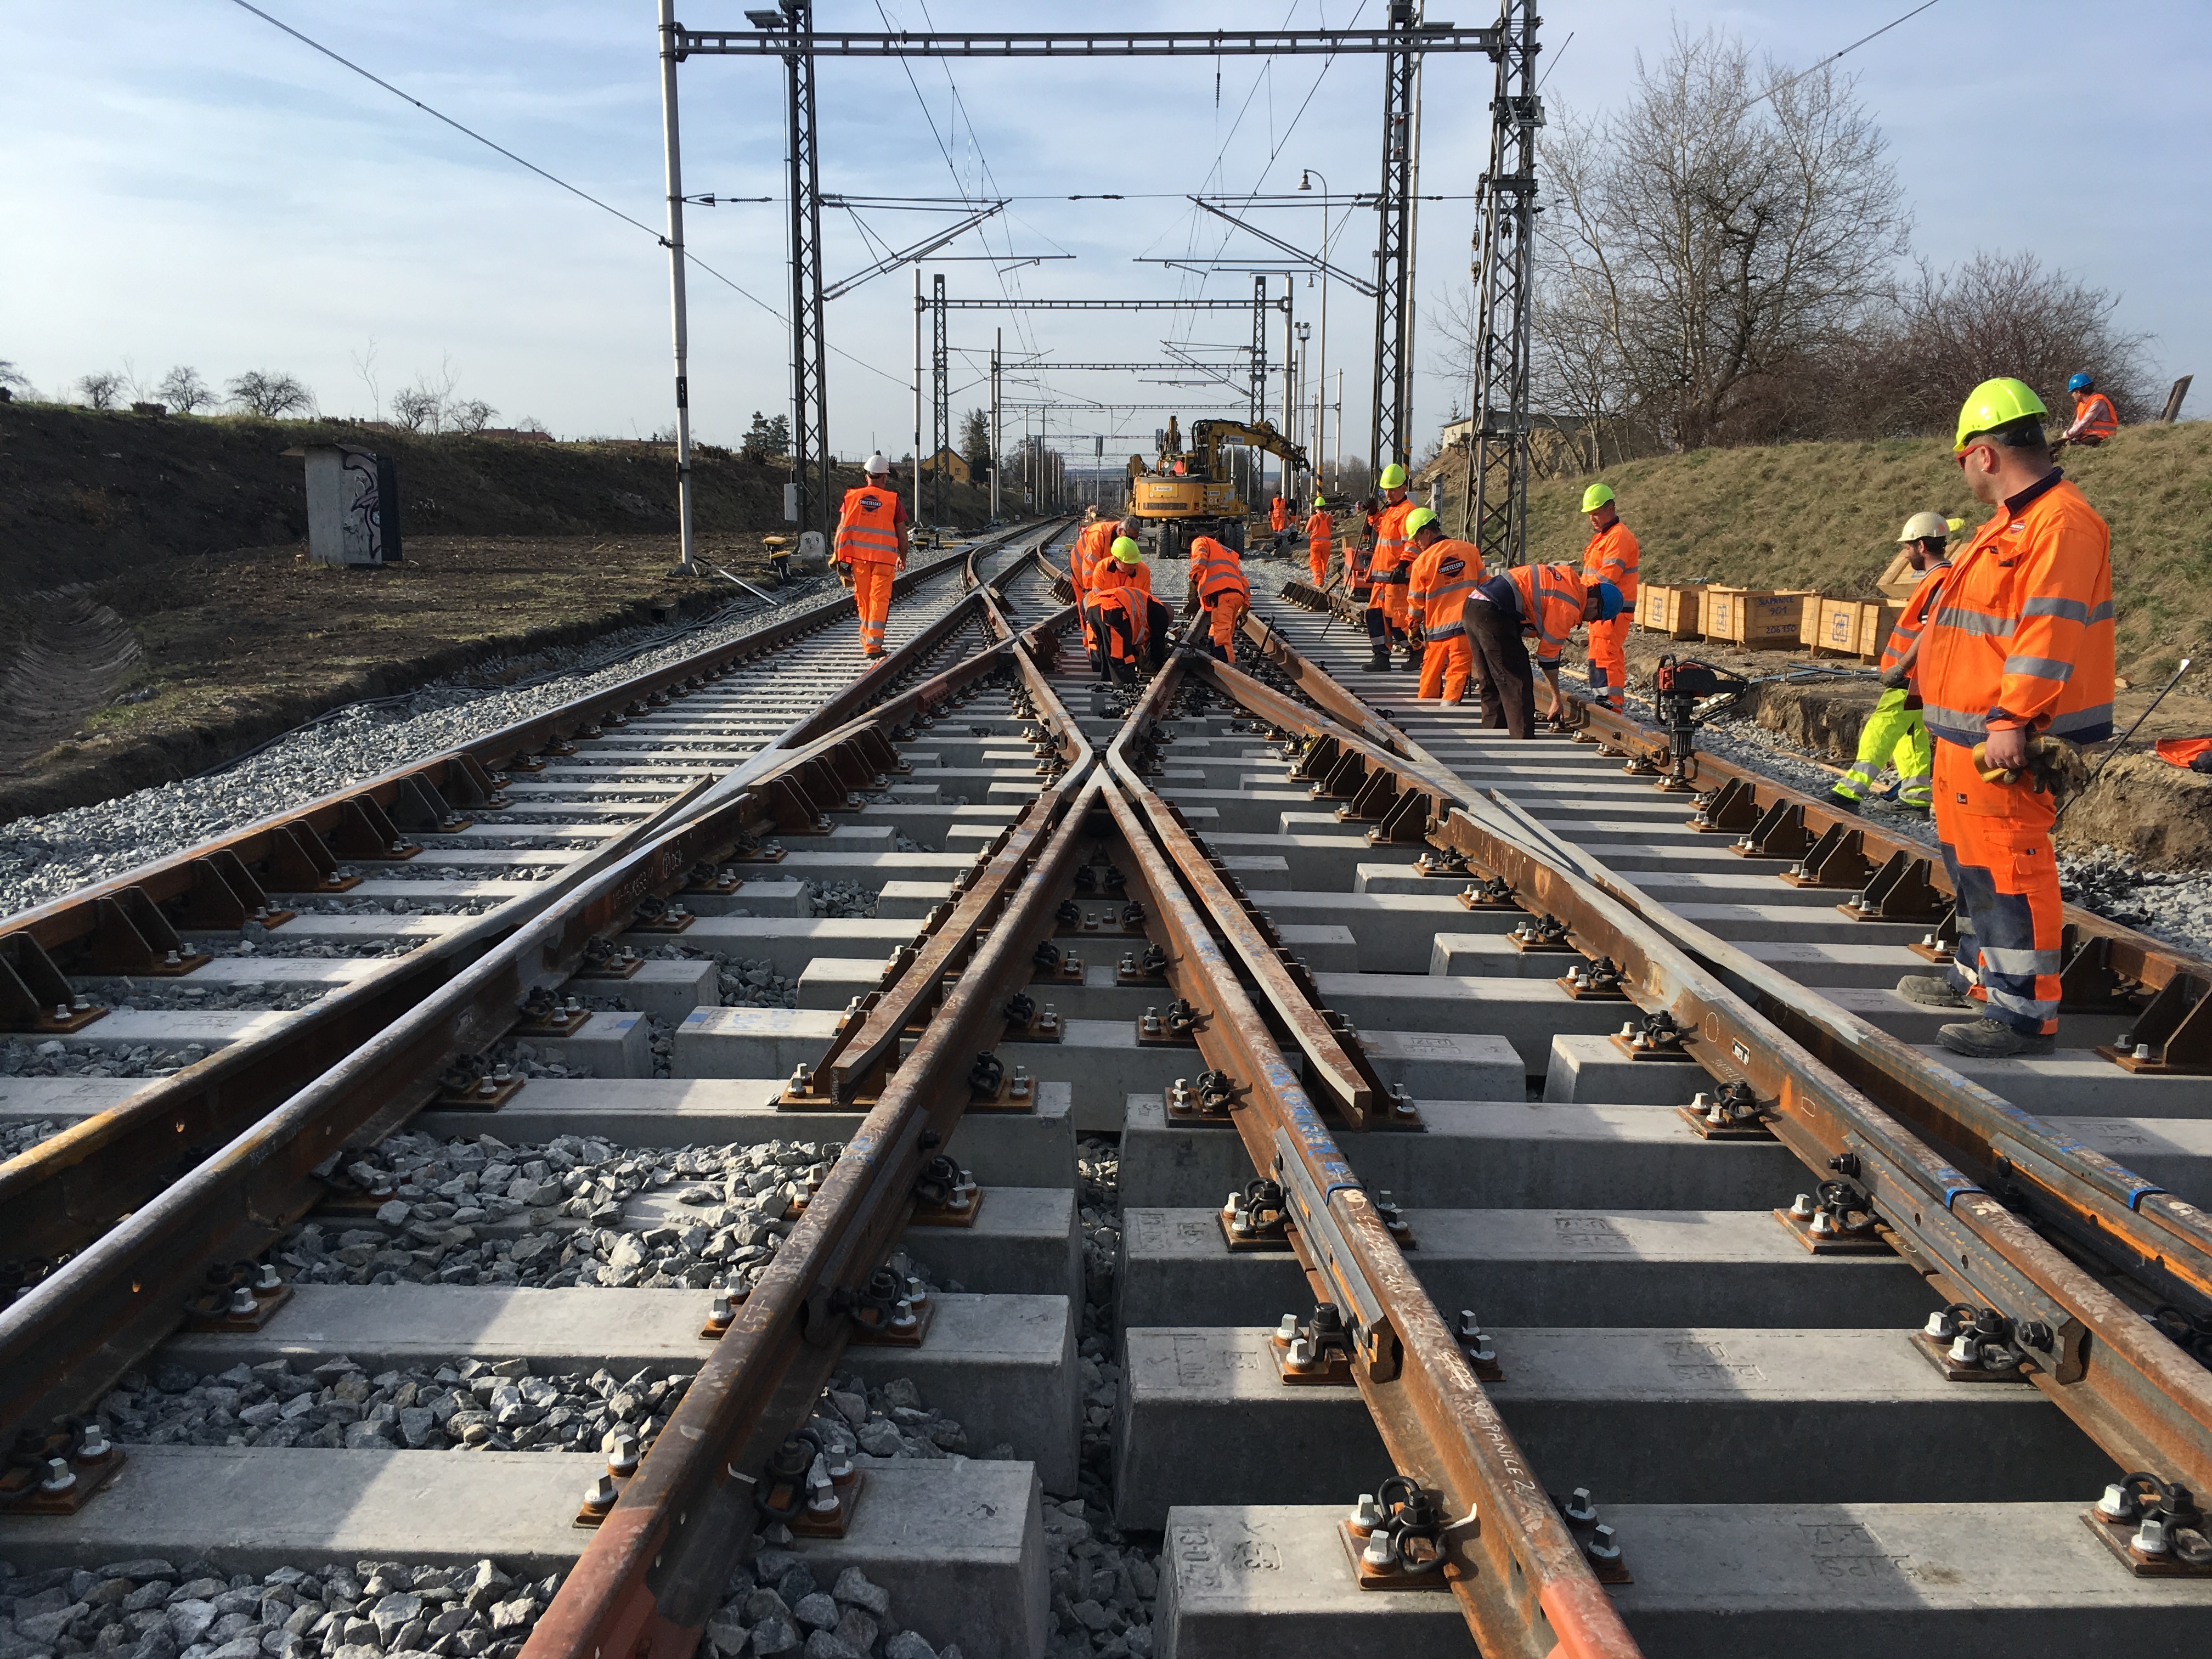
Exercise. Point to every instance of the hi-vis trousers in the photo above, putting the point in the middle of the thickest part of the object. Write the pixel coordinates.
(871, 592)
(1996, 846)
(1893, 732)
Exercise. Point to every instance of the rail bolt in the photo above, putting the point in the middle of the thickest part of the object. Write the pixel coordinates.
(2118, 1503)
(1579, 1508)
(1602, 1545)
(2150, 1541)
(1941, 1327)
(623, 1459)
(1286, 1329)
(1801, 1206)
(600, 1497)
(1381, 1551)
(1366, 1514)
(95, 1446)
(59, 1477)
(1965, 1350)
(241, 1300)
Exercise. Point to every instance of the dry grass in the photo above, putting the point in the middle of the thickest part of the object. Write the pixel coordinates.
(1822, 516)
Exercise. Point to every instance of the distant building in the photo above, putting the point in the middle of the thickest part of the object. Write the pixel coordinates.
(515, 435)
(948, 461)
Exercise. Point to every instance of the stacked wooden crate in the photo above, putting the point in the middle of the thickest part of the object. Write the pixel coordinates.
(1848, 627)
(1756, 618)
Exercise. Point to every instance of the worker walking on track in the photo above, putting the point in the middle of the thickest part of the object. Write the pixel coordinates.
(1217, 577)
(1093, 544)
(1388, 572)
(1893, 730)
(871, 546)
(1320, 538)
(2095, 418)
(1278, 517)
(1133, 625)
(1610, 557)
(1547, 600)
(2016, 666)
(1444, 574)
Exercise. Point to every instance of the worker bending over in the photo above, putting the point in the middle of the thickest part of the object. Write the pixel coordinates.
(1217, 576)
(1547, 600)
(1093, 542)
(1444, 574)
(2016, 666)
(871, 546)
(1321, 537)
(1388, 572)
(2095, 418)
(1133, 625)
(1610, 557)
(1894, 730)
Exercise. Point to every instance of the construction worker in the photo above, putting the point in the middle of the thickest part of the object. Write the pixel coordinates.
(872, 544)
(1444, 574)
(1279, 516)
(1092, 544)
(1894, 731)
(1357, 581)
(1610, 557)
(2095, 418)
(1321, 537)
(1547, 600)
(2016, 666)
(1388, 571)
(1133, 625)
(1217, 577)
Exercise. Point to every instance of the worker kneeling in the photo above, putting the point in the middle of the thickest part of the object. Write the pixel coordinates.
(1444, 574)
(871, 548)
(1894, 730)
(1092, 548)
(1549, 601)
(1133, 625)
(1217, 576)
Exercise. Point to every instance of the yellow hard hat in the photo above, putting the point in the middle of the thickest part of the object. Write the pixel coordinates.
(1923, 526)
(1394, 477)
(1418, 519)
(1994, 403)
(1595, 496)
(1319, 503)
(1127, 551)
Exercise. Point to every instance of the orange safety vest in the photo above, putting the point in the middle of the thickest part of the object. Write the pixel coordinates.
(1388, 563)
(1215, 570)
(1444, 574)
(1278, 513)
(2103, 419)
(1914, 617)
(1092, 544)
(1611, 557)
(1552, 597)
(1320, 530)
(1109, 575)
(2021, 632)
(868, 529)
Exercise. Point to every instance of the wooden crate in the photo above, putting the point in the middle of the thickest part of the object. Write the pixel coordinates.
(1848, 627)
(1756, 618)
(1669, 609)
(1900, 579)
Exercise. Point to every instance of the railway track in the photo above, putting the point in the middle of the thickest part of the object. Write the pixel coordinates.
(1513, 1080)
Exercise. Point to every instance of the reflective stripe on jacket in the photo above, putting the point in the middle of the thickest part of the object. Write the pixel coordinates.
(867, 529)
(1551, 597)
(2022, 630)
(1451, 570)
(1320, 530)
(1216, 569)
(1611, 557)
(1090, 546)
(2093, 416)
(1915, 616)
(1109, 575)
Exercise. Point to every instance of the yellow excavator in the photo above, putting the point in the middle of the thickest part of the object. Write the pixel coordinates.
(1192, 495)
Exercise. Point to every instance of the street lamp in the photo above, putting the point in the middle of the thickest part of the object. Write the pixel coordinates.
(1305, 334)
(1306, 176)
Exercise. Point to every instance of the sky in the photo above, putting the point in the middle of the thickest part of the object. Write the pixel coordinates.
(183, 183)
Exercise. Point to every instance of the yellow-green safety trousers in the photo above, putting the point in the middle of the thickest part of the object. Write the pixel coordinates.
(1893, 733)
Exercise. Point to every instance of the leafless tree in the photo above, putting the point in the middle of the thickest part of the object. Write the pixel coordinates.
(12, 378)
(184, 392)
(270, 395)
(100, 390)
(1725, 223)
(470, 415)
(364, 366)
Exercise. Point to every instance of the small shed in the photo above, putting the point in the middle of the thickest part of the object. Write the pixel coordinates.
(353, 505)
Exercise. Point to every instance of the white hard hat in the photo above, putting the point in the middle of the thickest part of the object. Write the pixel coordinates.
(877, 467)
(1927, 527)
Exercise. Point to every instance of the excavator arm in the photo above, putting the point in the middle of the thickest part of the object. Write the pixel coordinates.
(1208, 438)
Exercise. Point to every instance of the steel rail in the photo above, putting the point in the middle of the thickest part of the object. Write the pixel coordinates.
(654, 1568)
(67, 1335)
(1517, 1572)
(2137, 1394)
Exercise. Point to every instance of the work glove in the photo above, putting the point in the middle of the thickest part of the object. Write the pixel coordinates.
(2054, 766)
(1896, 676)
(844, 576)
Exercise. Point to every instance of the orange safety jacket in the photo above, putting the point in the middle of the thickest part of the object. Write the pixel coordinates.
(1611, 557)
(1109, 575)
(1279, 514)
(2021, 633)
(1914, 617)
(1551, 597)
(1092, 544)
(1215, 570)
(1126, 588)
(1444, 572)
(1321, 531)
(867, 529)
(1388, 564)
(2093, 416)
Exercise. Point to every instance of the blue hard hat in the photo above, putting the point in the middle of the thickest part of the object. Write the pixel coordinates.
(2080, 383)
(1609, 602)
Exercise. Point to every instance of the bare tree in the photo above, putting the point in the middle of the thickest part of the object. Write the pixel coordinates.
(100, 390)
(470, 415)
(184, 392)
(364, 365)
(427, 405)
(1705, 239)
(12, 378)
(270, 395)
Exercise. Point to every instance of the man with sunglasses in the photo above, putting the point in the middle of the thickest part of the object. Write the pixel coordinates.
(2018, 652)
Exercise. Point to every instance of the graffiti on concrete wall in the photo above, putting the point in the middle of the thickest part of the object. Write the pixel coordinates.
(360, 518)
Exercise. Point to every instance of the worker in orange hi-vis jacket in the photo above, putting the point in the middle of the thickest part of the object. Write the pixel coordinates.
(1278, 515)
(1444, 572)
(2014, 668)
(2095, 418)
(1133, 625)
(1093, 544)
(1388, 572)
(1217, 576)
(1321, 540)
(871, 547)
(1545, 600)
(1610, 557)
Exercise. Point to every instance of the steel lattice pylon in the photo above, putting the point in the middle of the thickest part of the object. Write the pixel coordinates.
(810, 384)
(940, 397)
(1259, 363)
(1494, 509)
(1391, 434)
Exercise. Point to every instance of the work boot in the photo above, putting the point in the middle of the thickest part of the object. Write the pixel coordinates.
(1930, 991)
(1992, 1039)
(1379, 662)
(1844, 803)
(1412, 663)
